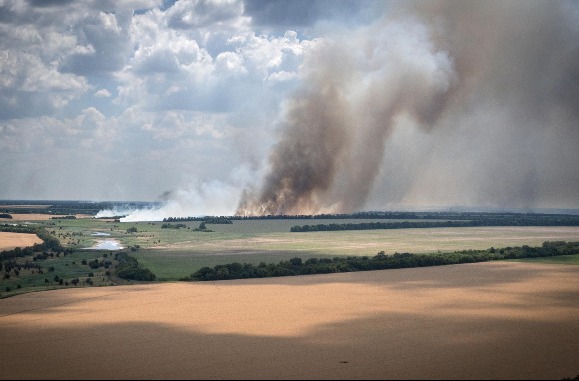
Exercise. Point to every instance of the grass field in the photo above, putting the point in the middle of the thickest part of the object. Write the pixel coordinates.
(175, 253)
(181, 258)
(65, 267)
(563, 260)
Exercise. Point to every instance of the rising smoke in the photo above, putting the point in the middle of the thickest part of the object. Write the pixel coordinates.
(437, 103)
(212, 198)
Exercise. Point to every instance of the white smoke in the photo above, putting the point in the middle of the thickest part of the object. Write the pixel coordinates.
(115, 212)
(213, 198)
(199, 199)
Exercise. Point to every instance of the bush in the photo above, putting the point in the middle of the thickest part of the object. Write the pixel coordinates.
(130, 269)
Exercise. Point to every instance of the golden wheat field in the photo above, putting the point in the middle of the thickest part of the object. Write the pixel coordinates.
(37, 217)
(9, 241)
(499, 320)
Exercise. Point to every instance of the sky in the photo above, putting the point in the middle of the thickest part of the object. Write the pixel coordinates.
(276, 107)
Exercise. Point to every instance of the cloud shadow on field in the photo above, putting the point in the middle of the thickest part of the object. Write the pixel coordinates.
(215, 331)
(381, 346)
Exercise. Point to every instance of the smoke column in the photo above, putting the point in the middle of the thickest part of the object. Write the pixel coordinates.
(489, 90)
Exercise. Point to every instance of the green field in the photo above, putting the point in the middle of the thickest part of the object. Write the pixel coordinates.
(175, 253)
(563, 260)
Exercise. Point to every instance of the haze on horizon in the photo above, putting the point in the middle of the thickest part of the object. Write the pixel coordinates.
(257, 106)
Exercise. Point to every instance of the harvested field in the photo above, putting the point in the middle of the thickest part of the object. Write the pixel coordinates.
(9, 241)
(499, 320)
(39, 217)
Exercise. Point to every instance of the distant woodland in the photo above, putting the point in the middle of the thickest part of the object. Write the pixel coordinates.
(475, 221)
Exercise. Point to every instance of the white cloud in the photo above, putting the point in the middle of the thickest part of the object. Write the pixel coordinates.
(94, 81)
(103, 93)
(30, 85)
(230, 62)
(206, 13)
(267, 55)
(173, 69)
(99, 82)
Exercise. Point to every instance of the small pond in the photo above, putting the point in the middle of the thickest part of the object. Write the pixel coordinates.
(106, 244)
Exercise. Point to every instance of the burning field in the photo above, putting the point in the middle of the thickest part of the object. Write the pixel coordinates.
(489, 320)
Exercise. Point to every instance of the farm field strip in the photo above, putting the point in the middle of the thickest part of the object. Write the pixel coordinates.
(34, 217)
(369, 242)
(9, 241)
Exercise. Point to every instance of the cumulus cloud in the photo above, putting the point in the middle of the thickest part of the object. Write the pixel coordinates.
(32, 87)
(102, 93)
(188, 14)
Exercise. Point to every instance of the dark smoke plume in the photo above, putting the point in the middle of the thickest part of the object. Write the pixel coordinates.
(489, 90)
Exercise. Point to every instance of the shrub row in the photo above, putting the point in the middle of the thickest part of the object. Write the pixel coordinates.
(296, 266)
(503, 221)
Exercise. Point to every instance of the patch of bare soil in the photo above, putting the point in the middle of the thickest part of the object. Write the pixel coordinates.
(499, 320)
(9, 241)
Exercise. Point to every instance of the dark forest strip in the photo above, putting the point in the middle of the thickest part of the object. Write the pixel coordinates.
(381, 261)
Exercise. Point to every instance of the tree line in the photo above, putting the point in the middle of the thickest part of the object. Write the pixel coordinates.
(208, 220)
(536, 220)
(381, 261)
